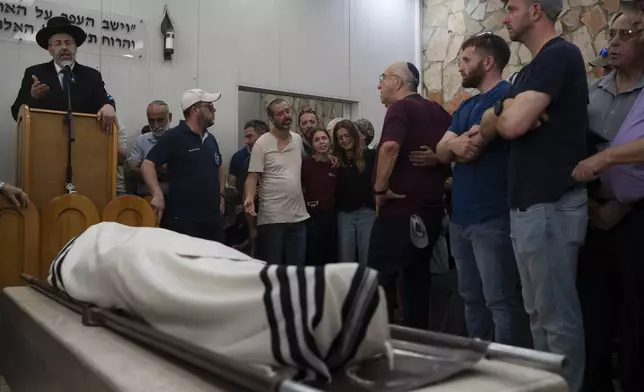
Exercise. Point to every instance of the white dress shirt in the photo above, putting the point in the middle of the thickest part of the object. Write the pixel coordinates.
(60, 74)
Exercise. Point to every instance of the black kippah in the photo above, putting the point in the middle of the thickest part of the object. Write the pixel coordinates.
(414, 71)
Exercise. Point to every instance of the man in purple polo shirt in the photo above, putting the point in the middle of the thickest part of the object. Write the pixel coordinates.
(623, 163)
(409, 186)
(622, 166)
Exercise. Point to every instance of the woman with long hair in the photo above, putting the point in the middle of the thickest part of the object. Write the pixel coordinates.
(319, 180)
(354, 197)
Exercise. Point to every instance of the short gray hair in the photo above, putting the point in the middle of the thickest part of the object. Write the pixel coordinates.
(161, 103)
(401, 69)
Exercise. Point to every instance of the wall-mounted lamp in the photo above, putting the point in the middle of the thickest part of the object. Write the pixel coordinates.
(167, 31)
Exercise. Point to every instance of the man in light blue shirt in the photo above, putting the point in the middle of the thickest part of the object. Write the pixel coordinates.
(159, 118)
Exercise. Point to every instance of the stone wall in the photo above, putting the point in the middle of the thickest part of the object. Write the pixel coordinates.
(447, 23)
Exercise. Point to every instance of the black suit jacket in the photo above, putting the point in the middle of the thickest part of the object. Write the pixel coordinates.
(88, 91)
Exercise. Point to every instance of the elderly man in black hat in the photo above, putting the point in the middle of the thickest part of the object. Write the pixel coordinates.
(43, 88)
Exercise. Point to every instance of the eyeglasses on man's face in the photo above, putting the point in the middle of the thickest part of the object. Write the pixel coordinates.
(207, 105)
(385, 76)
(622, 34)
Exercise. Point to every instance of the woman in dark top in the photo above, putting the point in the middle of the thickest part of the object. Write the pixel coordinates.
(319, 181)
(354, 198)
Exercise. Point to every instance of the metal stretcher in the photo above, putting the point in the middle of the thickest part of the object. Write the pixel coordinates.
(421, 358)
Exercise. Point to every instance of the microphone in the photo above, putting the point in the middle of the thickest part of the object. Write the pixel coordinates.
(67, 66)
(70, 73)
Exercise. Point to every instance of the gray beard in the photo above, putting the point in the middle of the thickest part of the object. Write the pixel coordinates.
(64, 63)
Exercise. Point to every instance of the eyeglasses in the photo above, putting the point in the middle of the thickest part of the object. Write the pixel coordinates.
(207, 105)
(622, 34)
(60, 43)
(383, 77)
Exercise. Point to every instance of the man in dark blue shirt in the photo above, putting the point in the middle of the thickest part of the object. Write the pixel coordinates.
(238, 168)
(195, 172)
(480, 222)
(545, 120)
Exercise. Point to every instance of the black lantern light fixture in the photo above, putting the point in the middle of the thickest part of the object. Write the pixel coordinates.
(167, 31)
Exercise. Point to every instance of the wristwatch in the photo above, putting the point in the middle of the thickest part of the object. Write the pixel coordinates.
(498, 107)
(380, 193)
(1, 187)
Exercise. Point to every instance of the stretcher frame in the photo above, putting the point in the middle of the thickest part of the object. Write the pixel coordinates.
(254, 379)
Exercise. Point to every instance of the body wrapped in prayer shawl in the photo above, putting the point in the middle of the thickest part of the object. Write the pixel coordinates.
(315, 319)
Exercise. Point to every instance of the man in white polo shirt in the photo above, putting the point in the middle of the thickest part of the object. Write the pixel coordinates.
(276, 162)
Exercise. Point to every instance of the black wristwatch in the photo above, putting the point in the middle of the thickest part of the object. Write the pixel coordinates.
(380, 193)
(498, 107)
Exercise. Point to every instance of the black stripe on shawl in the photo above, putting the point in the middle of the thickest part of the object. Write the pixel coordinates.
(286, 299)
(308, 336)
(320, 282)
(362, 298)
(270, 316)
(56, 276)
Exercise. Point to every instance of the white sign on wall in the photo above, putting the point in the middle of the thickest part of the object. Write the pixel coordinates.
(110, 34)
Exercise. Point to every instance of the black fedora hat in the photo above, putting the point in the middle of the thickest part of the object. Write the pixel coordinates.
(59, 25)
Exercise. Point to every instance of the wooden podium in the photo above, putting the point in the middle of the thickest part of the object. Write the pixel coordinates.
(30, 238)
(42, 157)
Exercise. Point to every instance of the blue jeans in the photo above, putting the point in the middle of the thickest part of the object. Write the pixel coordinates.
(488, 280)
(354, 231)
(282, 243)
(546, 240)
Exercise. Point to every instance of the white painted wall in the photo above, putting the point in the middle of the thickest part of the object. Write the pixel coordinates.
(249, 105)
(329, 48)
(382, 32)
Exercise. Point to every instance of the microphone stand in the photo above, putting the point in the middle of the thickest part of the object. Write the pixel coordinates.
(68, 79)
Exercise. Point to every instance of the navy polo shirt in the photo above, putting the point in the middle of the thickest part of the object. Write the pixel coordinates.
(480, 188)
(237, 162)
(193, 173)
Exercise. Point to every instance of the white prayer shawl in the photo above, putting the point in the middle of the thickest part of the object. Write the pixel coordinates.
(316, 319)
